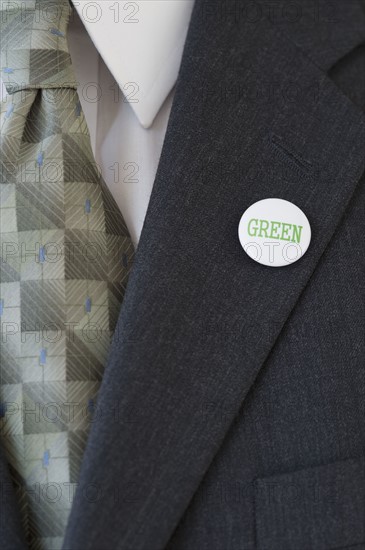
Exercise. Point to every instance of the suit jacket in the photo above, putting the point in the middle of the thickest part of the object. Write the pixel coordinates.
(231, 414)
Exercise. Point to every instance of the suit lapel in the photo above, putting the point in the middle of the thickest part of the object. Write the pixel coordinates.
(11, 529)
(253, 117)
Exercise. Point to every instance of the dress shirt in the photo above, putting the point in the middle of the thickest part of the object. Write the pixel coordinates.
(127, 136)
(126, 57)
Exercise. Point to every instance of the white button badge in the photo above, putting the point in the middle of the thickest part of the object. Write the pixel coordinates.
(274, 232)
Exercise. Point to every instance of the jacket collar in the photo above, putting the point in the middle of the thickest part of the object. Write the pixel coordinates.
(325, 31)
(200, 318)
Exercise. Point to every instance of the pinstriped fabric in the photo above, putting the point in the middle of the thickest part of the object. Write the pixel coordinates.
(66, 255)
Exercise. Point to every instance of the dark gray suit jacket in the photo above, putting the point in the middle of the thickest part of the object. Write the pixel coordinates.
(233, 404)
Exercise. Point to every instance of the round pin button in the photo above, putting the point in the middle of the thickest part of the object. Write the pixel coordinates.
(274, 232)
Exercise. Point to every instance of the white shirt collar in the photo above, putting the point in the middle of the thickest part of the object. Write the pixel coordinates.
(142, 44)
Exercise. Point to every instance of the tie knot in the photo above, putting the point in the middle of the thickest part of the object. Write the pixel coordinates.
(34, 49)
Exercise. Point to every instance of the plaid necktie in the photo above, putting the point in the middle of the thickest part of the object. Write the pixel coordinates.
(66, 254)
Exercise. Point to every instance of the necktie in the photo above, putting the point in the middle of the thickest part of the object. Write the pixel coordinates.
(65, 258)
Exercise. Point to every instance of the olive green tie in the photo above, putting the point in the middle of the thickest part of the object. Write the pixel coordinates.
(65, 257)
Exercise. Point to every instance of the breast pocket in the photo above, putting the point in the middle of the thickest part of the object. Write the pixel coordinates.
(320, 508)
